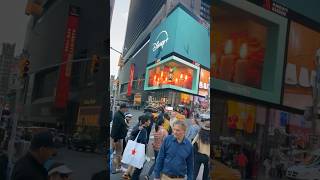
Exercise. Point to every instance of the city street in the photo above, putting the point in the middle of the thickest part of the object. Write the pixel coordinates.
(83, 164)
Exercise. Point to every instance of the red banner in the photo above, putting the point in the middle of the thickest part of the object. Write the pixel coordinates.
(267, 4)
(130, 80)
(62, 90)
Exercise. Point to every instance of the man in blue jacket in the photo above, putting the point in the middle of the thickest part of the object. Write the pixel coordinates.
(175, 158)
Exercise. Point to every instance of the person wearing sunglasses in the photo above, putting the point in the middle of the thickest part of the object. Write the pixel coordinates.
(59, 171)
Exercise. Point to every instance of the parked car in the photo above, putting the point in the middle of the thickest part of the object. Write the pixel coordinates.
(83, 141)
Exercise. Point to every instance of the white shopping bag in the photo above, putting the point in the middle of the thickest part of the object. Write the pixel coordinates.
(134, 153)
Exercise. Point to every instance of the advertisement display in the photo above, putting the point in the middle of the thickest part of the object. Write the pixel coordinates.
(290, 123)
(137, 99)
(241, 116)
(301, 69)
(88, 116)
(248, 51)
(173, 73)
(63, 84)
(204, 82)
(130, 79)
(177, 34)
(185, 98)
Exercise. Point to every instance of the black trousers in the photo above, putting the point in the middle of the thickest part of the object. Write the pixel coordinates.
(136, 174)
(198, 160)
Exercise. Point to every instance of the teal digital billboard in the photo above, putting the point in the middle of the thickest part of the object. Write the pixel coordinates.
(248, 52)
(182, 34)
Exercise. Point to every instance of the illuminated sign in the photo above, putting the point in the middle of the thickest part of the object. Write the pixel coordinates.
(173, 73)
(204, 83)
(244, 61)
(162, 35)
(188, 38)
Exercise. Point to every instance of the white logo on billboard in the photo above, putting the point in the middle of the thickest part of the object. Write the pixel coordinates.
(160, 43)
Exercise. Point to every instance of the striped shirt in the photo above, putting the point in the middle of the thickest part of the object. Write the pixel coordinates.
(159, 137)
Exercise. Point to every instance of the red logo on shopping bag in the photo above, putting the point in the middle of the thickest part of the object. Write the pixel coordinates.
(133, 152)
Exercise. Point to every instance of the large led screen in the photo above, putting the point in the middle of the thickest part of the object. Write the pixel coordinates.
(174, 73)
(304, 43)
(248, 50)
(204, 85)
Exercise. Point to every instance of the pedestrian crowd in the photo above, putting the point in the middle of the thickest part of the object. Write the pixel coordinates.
(179, 150)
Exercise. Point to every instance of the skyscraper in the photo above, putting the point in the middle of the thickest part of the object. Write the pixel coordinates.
(144, 17)
(6, 58)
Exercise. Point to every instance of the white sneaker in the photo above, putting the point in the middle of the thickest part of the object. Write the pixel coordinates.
(147, 158)
(123, 169)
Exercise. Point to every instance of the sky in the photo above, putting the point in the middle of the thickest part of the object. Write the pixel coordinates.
(13, 23)
(118, 32)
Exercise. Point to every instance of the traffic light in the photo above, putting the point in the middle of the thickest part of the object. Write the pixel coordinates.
(95, 63)
(24, 67)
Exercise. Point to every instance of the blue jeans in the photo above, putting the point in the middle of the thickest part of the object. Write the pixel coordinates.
(152, 167)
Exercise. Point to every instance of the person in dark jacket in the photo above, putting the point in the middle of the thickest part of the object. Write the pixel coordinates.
(3, 164)
(161, 113)
(142, 138)
(118, 133)
(141, 126)
(31, 166)
(148, 113)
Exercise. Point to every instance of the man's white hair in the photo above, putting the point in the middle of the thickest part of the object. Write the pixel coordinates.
(181, 124)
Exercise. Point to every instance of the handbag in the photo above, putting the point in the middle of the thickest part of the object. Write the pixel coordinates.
(134, 154)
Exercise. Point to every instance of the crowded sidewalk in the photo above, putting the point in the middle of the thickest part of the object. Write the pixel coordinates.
(150, 157)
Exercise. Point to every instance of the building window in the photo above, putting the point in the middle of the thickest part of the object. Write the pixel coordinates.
(45, 83)
(123, 88)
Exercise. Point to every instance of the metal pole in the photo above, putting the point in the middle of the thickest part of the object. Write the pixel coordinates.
(114, 100)
(16, 117)
(316, 93)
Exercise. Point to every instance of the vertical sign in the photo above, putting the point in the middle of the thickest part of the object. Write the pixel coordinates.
(267, 4)
(130, 80)
(62, 90)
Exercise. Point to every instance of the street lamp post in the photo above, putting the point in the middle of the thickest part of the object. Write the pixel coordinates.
(115, 88)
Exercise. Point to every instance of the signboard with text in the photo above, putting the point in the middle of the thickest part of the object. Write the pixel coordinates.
(63, 85)
(204, 85)
(130, 80)
(177, 34)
